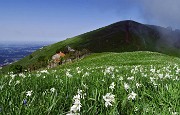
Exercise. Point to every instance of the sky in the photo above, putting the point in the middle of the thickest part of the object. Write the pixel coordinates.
(56, 20)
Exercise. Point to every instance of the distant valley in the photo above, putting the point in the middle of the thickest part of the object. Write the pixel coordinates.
(13, 51)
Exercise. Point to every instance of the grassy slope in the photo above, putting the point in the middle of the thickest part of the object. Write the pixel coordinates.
(127, 58)
(93, 75)
(111, 38)
(107, 39)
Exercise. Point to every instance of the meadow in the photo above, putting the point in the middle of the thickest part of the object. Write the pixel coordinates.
(130, 83)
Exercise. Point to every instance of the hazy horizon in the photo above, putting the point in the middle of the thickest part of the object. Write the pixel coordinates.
(57, 20)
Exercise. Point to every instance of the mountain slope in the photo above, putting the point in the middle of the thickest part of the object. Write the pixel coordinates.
(122, 36)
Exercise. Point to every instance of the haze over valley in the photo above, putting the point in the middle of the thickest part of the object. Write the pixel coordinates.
(13, 51)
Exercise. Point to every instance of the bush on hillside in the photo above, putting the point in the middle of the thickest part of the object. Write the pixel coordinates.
(16, 69)
(30, 56)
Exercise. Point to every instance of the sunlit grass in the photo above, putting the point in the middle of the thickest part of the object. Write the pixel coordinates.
(141, 83)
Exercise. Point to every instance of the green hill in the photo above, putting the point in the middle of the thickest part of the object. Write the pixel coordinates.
(129, 83)
(123, 36)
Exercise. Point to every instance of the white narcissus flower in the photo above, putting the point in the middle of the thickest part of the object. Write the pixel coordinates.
(153, 70)
(109, 98)
(77, 97)
(120, 78)
(138, 85)
(78, 71)
(174, 113)
(167, 75)
(17, 82)
(77, 68)
(79, 92)
(52, 90)
(126, 86)
(152, 79)
(177, 71)
(22, 75)
(44, 71)
(130, 78)
(77, 104)
(108, 70)
(68, 74)
(38, 75)
(86, 74)
(29, 93)
(160, 76)
(76, 107)
(12, 76)
(132, 96)
(112, 86)
(158, 71)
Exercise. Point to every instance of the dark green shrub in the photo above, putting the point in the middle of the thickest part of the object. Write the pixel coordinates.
(16, 69)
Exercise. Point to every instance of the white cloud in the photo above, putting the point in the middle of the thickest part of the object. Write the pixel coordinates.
(162, 12)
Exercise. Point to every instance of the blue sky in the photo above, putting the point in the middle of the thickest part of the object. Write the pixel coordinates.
(56, 20)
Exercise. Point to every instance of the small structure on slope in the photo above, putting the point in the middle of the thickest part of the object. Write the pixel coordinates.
(68, 55)
(56, 59)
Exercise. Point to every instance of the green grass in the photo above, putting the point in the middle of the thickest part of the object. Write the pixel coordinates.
(157, 74)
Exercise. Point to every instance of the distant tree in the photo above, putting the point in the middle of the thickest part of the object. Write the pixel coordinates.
(30, 56)
(16, 68)
(58, 50)
(25, 69)
(42, 61)
(77, 54)
(85, 51)
(41, 58)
